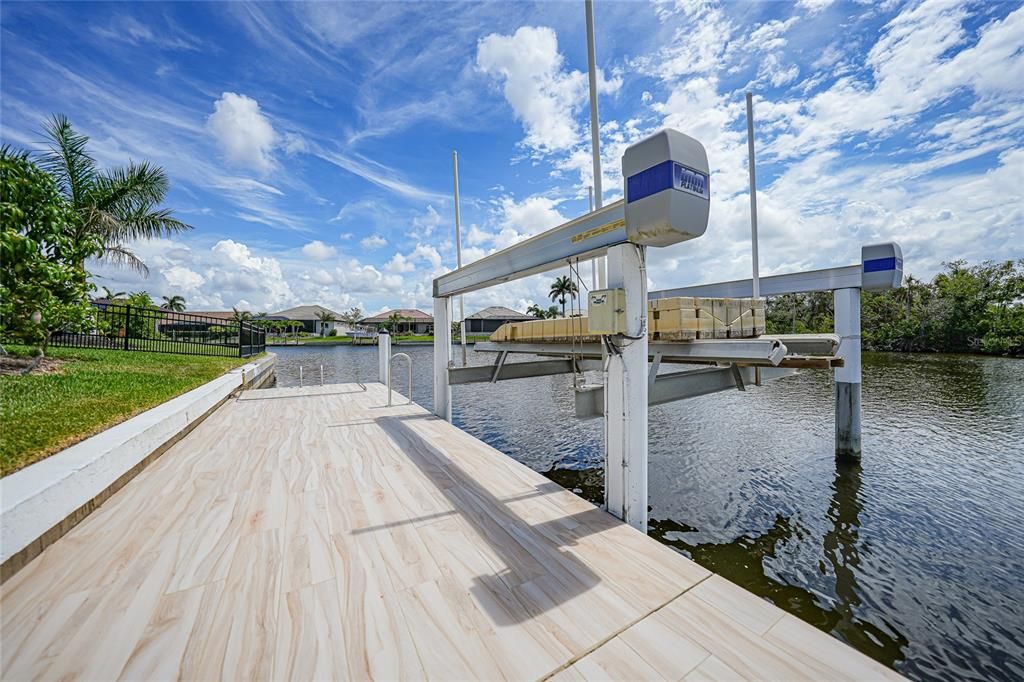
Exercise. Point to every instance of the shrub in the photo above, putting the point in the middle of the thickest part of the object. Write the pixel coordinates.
(42, 284)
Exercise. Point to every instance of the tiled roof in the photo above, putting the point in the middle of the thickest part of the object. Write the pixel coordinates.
(410, 314)
(497, 312)
(306, 312)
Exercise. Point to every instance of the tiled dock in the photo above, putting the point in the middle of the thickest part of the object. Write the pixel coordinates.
(316, 534)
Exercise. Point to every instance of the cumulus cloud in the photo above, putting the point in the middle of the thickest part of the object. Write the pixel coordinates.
(425, 224)
(181, 278)
(318, 251)
(244, 133)
(542, 94)
(405, 263)
(374, 241)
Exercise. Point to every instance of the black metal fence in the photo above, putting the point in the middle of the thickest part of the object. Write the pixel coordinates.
(154, 330)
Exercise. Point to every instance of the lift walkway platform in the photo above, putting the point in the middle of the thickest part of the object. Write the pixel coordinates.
(315, 533)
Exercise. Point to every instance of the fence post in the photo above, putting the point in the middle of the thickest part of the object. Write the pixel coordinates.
(240, 326)
(127, 325)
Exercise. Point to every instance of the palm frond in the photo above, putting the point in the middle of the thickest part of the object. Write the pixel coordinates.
(121, 256)
(146, 223)
(67, 160)
(137, 184)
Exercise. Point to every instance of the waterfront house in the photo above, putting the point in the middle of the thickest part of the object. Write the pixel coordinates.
(309, 316)
(489, 319)
(412, 321)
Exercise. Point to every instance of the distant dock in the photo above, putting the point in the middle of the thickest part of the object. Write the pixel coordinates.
(302, 533)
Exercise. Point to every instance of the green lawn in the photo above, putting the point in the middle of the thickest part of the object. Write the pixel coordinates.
(43, 413)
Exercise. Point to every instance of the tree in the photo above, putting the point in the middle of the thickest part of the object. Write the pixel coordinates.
(965, 308)
(113, 295)
(563, 289)
(536, 311)
(114, 206)
(552, 312)
(42, 289)
(325, 318)
(353, 316)
(395, 320)
(174, 303)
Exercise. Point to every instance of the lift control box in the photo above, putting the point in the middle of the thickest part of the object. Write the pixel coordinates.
(668, 193)
(606, 311)
(882, 266)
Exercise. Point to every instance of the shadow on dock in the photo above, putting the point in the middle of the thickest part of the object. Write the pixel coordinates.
(539, 574)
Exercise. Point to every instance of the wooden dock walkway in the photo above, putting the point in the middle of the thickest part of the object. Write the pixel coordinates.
(316, 534)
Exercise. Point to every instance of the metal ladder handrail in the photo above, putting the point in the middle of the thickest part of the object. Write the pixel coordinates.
(391, 361)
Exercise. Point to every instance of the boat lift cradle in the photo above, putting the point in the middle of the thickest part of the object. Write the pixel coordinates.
(667, 200)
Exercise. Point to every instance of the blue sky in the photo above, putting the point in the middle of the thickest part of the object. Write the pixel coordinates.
(310, 144)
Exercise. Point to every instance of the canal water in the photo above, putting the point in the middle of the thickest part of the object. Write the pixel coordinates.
(915, 557)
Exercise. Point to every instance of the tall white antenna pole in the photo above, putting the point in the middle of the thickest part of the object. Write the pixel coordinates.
(595, 126)
(593, 261)
(458, 258)
(753, 192)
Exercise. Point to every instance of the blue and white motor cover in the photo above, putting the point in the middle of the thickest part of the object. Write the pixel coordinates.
(668, 191)
(882, 266)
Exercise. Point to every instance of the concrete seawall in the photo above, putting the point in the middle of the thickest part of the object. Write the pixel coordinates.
(42, 502)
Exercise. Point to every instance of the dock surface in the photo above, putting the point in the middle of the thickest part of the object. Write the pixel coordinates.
(317, 534)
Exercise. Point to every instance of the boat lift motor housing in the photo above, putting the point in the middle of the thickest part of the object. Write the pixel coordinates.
(882, 265)
(667, 189)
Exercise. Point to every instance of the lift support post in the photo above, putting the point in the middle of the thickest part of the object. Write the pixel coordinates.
(625, 395)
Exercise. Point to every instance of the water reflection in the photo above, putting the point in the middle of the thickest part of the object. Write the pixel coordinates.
(742, 561)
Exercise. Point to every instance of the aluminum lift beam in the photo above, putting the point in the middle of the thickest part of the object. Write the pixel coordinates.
(585, 237)
(761, 351)
(674, 386)
(773, 285)
(517, 370)
(880, 269)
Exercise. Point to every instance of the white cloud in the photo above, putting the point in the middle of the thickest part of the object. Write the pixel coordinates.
(318, 251)
(242, 271)
(543, 96)
(182, 278)
(424, 225)
(294, 143)
(405, 263)
(815, 6)
(374, 241)
(911, 72)
(244, 133)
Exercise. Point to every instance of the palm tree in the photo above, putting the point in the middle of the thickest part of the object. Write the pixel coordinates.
(174, 303)
(325, 317)
(117, 205)
(536, 311)
(563, 289)
(113, 295)
(394, 321)
(239, 316)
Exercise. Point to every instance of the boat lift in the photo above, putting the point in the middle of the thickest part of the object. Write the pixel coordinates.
(667, 202)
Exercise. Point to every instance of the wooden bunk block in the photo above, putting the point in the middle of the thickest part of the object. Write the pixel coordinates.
(718, 315)
(733, 310)
(674, 303)
(676, 320)
(759, 323)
